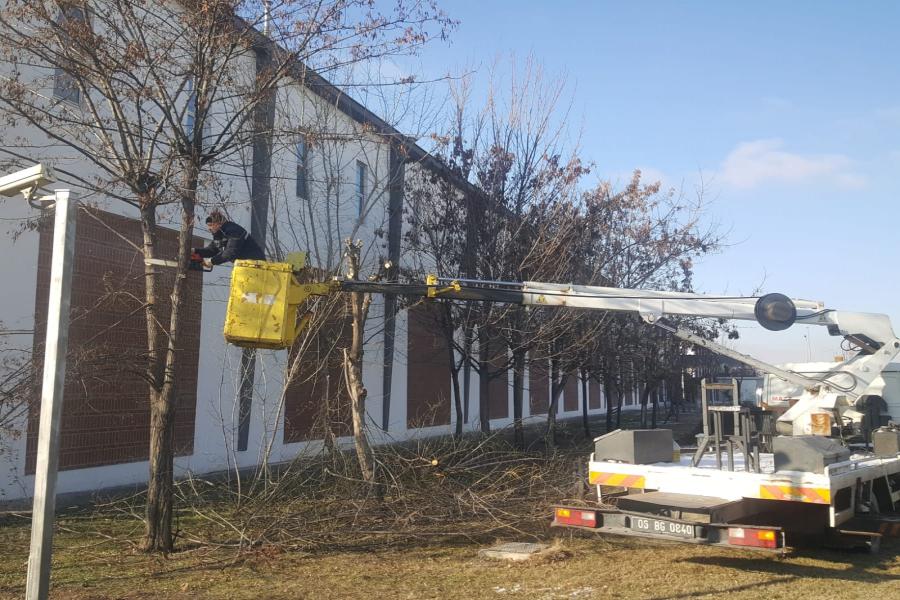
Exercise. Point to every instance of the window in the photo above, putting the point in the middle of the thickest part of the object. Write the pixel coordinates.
(65, 87)
(190, 114)
(302, 160)
(361, 176)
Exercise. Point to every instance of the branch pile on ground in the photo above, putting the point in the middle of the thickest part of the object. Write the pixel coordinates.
(434, 489)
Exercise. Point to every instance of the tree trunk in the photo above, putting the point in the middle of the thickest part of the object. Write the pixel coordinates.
(162, 371)
(158, 536)
(613, 401)
(358, 395)
(359, 308)
(557, 384)
(158, 512)
(457, 396)
(619, 401)
(655, 407)
(467, 375)
(449, 329)
(484, 379)
(645, 396)
(518, 397)
(584, 404)
(677, 399)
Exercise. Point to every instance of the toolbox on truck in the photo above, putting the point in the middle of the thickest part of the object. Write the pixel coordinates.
(635, 446)
(810, 453)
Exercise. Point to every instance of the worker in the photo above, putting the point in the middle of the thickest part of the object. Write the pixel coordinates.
(230, 242)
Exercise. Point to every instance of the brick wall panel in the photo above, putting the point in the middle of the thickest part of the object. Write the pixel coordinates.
(106, 412)
(428, 391)
(595, 394)
(316, 400)
(570, 394)
(538, 385)
(498, 380)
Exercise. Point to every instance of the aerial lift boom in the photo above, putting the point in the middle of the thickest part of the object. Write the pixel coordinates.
(810, 485)
(265, 298)
(835, 392)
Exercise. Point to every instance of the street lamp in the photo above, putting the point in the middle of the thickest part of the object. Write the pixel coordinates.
(28, 182)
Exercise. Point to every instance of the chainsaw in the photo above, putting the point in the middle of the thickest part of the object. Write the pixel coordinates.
(198, 263)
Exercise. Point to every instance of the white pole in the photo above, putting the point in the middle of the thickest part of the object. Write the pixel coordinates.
(38, 585)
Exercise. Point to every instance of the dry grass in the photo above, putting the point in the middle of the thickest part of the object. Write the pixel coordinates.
(315, 531)
(87, 565)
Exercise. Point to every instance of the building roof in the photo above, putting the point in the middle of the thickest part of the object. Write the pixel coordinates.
(323, 88)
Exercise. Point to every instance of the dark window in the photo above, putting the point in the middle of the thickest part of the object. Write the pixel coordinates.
(361, 176)
(302, 177)
(190, 114)
(65, 87)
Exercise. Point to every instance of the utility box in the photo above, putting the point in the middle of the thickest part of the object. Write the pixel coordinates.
(635, 446)
(260, 310)
(811, 453)
(886, 441)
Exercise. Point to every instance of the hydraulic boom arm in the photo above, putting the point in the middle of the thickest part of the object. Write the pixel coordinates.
(253, 321)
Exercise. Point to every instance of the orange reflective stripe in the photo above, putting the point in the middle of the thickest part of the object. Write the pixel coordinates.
(816, 495)
(795, 494)
(770, 492)
(617, 480)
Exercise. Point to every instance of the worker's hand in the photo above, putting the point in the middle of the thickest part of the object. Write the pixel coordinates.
(198, 263)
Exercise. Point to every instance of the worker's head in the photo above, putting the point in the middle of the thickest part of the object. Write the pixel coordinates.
(214, 221)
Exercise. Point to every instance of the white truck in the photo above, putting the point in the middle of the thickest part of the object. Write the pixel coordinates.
(778, 394)
(736, 489)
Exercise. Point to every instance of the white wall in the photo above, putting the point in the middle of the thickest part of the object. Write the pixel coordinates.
(19, 272)
(319, 228)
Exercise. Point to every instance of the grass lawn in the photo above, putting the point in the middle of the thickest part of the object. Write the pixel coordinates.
(94, 557)
(423, 542)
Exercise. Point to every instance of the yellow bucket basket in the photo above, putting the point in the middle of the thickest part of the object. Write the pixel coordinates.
(263, 304)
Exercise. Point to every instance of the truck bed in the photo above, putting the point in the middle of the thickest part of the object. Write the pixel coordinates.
(706, 480)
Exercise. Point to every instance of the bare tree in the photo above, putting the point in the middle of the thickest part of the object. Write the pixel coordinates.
(353, 364)
(146, 104)
(512, 220)
(643, 236)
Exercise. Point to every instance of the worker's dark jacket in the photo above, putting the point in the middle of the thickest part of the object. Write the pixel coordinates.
(231, 242)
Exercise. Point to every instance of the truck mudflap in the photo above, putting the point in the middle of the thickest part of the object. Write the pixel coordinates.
(619, 522)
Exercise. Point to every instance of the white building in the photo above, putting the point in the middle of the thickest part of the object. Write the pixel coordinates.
(316, 191)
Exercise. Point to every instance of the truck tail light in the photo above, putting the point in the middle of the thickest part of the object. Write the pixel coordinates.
(576, 516)
(757, 538)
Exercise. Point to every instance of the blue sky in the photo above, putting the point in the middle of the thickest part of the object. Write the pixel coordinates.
(788, 111)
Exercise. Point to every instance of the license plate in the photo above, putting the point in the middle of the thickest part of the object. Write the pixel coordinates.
(661, 527)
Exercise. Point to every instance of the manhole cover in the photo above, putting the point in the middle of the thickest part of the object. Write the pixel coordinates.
(513, 550)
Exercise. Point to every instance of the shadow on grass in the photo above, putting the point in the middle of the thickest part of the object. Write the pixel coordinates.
(758, 586)
(848, 566)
